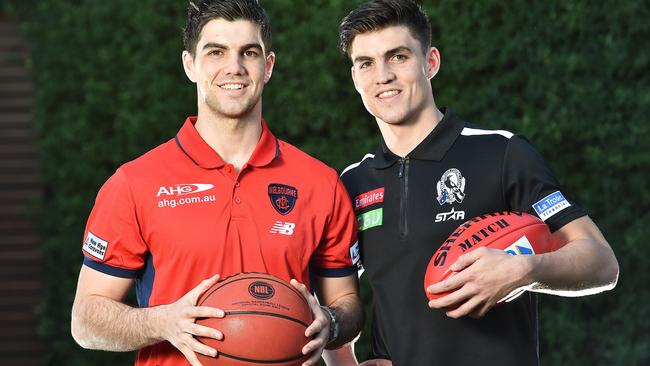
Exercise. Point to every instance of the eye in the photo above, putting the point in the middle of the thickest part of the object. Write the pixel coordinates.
(399, 58)
(250, 53)
(365, 65)
(215, 53)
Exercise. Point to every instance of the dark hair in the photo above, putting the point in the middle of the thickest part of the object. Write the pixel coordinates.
(375, 15)
(200, 12)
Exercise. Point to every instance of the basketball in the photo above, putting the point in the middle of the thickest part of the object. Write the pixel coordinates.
(264, 324)
(516, 233)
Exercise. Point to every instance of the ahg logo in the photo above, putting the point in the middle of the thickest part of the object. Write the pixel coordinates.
(183, 189)
(261, 290)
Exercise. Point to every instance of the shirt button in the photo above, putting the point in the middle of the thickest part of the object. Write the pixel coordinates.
(236, 184)
(237, 200)
(227, 168)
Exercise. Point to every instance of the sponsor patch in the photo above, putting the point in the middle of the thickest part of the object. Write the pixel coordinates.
(370, 219)
(95, 246)
(521, 247)
(284, 228)
(451, 187)
(283, 197)
(355, 253)
(369, 198)
(183, 189)
(550, 205)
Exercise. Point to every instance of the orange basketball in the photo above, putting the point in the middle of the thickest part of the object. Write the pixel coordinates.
(265, 321)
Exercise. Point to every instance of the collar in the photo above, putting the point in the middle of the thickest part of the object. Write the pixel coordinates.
(433, 147)
(200, 153)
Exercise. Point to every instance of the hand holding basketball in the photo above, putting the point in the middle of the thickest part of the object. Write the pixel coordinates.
(318, 329)
(178, 323)
(482, 278)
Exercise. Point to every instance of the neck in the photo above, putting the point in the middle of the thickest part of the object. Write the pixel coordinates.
(234, 139)
(402, 138)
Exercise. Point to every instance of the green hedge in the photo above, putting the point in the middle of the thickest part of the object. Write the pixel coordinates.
(571, 75)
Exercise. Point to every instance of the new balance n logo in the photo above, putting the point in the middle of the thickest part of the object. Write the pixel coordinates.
(284, 228)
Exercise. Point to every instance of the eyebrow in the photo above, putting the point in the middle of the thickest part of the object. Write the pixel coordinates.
(388, 53)
(244, 47)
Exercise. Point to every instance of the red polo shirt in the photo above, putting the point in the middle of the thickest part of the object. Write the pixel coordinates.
(179, 214)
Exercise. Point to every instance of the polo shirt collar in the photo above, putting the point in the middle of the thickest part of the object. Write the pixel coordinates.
(433, 147)
(200, 153)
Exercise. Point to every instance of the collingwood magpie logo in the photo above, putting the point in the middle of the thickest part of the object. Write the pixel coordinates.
(451, 187)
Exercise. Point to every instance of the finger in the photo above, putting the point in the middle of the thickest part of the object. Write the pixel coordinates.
(314, 358)
(203, 349)
(317, 326)
(450, 300)
(203, 312)
(455, 281)
(203, 331)
(466, 260)
(313, 345)
(301, 288)
(190, 356)
(464, 309)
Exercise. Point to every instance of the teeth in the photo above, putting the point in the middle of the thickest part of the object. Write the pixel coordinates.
(388, 93)
(232, 86)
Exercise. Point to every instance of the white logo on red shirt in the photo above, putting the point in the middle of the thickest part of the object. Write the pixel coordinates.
(284, 228)
(183, 189)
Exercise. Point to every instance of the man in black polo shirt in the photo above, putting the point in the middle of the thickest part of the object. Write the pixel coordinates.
(432, 172)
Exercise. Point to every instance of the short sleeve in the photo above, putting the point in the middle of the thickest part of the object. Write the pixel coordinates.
(530, 186)
(112, 242)
(338, 253)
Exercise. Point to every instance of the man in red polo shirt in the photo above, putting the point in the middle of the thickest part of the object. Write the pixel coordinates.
(223, 196)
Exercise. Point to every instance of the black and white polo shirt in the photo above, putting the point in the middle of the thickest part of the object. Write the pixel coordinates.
(407, 206)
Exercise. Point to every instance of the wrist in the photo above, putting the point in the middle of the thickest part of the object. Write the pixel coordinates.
(334, 327)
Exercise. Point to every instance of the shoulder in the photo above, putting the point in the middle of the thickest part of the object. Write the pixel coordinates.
(299, 162)
(149, 162)
(357, 167)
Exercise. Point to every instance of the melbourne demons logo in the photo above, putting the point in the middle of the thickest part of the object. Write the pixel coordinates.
(261, 290)
(283, 197)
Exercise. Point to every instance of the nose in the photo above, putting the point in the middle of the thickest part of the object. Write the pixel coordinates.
(384, 73)
(234, 65)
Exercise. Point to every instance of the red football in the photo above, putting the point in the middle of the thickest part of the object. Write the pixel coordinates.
(517, 233)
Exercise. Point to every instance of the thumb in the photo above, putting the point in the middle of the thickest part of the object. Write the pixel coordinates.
(201, 288)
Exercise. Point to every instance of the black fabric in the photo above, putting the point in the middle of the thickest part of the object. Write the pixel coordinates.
(502, 172)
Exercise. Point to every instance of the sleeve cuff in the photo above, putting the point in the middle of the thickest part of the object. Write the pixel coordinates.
(110, 270)
(334, 272)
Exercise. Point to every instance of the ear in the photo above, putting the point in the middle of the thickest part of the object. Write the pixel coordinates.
(188, 66)
(268, 67)
(354, 78)
(433, 63)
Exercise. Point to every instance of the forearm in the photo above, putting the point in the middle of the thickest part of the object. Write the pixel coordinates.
(581, 267)
(105, 324)
(349, 313)
(340, 356)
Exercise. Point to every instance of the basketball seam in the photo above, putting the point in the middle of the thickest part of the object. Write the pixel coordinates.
(294, 358)
(264, 313)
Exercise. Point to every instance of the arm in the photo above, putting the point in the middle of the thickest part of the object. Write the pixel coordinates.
(585, 264)
(100, 319)
(341, 295)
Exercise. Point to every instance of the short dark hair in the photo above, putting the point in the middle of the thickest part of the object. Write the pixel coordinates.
(200, 12)
(375, 15)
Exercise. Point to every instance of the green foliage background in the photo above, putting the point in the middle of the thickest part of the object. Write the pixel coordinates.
(571, 75)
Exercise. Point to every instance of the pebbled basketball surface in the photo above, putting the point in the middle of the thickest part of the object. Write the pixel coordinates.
(264, 324)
